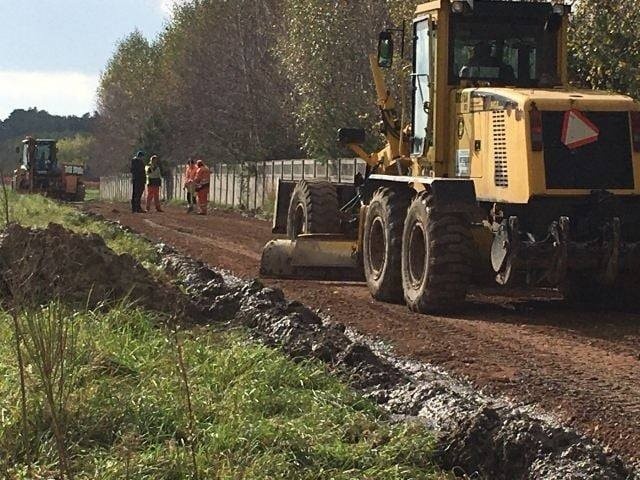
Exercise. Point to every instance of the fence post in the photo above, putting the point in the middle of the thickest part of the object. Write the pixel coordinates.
(248, 188)
(264, 182)
(233, 186)
(215, 179)
(226, 190)
(339, 170)
(255, 190)
(303, 169)
(220, 183)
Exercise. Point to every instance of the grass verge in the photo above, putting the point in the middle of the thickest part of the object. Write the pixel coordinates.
(257, 414)
(117, 395)
(38, 211)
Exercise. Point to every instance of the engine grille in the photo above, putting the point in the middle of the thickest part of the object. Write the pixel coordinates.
(604, 164)
(501, 174)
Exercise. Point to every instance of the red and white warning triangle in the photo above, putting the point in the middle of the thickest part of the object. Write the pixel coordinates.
(578, 130)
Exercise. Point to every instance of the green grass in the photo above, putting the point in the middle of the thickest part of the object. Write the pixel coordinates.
(92, 194)
(258, 414)
(38, 211)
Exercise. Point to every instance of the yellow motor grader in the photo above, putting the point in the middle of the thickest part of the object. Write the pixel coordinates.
(501, 167)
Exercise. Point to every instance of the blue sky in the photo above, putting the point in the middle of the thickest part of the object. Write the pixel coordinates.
(52, 51)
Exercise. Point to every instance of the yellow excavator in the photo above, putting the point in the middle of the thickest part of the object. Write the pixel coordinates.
(501, 172)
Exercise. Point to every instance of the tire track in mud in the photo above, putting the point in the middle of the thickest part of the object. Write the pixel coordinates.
(234, 249)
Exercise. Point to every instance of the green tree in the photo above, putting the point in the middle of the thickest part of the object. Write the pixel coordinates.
(604, 45)
(325, 54)
(76, 150)
(125, 102)
(223, 95)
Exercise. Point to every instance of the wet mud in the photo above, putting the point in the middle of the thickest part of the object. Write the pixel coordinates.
(477, 434)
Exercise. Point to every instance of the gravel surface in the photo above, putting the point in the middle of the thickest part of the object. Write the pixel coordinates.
(581, 366)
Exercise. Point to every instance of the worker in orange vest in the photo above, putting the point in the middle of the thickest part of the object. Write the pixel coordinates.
(190, 184)
(202, 179)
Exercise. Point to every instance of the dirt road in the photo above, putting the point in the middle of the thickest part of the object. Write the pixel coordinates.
(583, 366)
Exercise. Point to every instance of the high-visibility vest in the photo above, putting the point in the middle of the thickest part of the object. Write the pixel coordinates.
(190, 173)
(153, 172)
(203, 175)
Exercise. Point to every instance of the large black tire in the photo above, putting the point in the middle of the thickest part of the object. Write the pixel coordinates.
(313, 208)
(382, 243)
(437, 253)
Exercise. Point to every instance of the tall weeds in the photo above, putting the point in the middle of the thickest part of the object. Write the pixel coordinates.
(184, 376)
(50, 339)
(5, 199)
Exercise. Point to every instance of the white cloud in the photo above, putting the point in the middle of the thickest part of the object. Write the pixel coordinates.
(167, 6)
(61, 93)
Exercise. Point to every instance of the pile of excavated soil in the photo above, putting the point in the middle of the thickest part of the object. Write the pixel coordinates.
(478, 435)
(40, 265)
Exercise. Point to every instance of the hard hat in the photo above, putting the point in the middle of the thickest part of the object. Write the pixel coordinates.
(200, 163)
(140, 154)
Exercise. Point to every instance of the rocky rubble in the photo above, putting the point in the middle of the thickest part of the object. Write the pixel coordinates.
(477, 434)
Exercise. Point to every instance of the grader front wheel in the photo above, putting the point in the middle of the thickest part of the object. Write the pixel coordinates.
(313, 208)
(436, 258)
(382, 242)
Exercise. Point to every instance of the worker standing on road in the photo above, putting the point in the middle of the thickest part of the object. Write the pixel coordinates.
(202, 179)
(138, 179)
(154, 182)
(190, 183)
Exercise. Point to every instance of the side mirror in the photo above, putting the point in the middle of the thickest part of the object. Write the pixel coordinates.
(348, 136)
(385, 49)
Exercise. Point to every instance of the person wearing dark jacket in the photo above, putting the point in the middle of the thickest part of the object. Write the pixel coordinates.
(138, 179)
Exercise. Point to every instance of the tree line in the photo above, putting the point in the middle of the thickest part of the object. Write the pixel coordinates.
(42, 124)
(246, 80)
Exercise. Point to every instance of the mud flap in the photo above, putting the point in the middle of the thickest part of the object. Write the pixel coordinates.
(314, 256)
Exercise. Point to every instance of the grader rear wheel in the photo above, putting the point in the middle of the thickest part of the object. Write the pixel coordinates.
(313, 209)
(436, 258)
(382, 243)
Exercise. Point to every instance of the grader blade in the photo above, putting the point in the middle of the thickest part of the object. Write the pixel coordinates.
(312, 256)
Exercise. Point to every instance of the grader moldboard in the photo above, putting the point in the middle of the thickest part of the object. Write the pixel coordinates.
(502, 168)
(39, 172)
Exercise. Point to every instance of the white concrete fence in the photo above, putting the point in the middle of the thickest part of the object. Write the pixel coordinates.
(249, 186)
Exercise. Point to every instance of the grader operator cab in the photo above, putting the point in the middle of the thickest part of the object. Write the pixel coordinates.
(500, 166)
(38, 172)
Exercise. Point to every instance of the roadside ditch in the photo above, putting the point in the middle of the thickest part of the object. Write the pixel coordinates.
(478, 436)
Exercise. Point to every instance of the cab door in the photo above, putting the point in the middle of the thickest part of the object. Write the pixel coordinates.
(422, 85)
